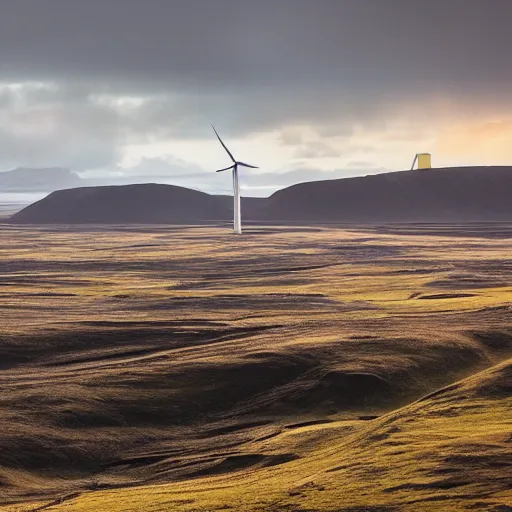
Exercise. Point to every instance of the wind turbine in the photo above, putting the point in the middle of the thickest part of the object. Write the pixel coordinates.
(237, 214)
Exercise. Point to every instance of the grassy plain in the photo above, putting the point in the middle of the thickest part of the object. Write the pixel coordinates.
(319, 369)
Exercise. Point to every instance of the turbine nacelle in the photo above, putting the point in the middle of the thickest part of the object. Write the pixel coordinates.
(237, 164)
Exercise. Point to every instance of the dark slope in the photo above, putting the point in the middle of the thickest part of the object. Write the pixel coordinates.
(252, 207)
(141, 204)
(437, 195)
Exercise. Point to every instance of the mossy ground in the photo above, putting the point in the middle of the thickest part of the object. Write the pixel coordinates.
(165, 368)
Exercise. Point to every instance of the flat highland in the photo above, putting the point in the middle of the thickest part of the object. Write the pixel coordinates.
(295, 369)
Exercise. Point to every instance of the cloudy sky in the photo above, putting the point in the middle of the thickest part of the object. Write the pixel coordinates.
(306, 89)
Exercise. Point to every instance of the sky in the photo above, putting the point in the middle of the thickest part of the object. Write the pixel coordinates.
(304, 89)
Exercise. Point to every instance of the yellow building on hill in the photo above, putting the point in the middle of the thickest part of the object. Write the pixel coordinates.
(424, 161)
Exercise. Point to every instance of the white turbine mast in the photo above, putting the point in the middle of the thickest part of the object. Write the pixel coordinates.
(237, 214)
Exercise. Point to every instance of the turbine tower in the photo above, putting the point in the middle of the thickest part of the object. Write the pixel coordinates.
(237, 214)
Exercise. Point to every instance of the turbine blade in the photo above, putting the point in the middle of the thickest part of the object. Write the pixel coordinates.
(247, 165)
(226, 169)
(224, 145)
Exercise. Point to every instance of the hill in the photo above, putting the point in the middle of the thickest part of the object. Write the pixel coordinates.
(25, 179)
(252, 207)
(128, 204)
(468, 194)
(438, 195)
(451, 448)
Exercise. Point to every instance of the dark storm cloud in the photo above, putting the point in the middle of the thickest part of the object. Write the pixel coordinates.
(227, 44)
(246, 65)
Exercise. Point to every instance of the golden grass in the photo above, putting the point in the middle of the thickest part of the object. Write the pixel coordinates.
(449, 450)
(192, 370)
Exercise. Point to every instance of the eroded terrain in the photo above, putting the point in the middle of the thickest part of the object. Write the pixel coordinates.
(295, 369)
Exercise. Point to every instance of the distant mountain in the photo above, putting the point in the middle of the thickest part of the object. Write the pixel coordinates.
(462, 194)
(438, 195)
(127, 204)
(24, 179)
